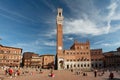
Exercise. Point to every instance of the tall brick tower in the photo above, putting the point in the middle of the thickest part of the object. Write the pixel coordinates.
(59, 47)
(59, 31)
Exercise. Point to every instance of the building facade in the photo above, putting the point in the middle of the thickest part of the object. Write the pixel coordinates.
(32, 60)
(10, 56)
(118, 50)
(97, 58)
(112, 59)
(48, 61)
(77, 57)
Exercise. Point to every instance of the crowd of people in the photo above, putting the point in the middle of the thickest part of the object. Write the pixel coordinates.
(102, 72)
(12, 71)
(96, 72)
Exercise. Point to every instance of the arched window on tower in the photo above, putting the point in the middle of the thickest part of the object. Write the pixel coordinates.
(60, 14)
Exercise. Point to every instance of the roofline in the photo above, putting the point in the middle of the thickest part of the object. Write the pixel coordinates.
(47, 55)
(96, 49)
(10, 47)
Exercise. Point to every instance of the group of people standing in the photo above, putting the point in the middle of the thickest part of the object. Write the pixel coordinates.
(96, 73)
(12, 72)
(78, 72)
(111, 75)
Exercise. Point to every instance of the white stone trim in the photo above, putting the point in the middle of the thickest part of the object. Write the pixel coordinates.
(78, 63)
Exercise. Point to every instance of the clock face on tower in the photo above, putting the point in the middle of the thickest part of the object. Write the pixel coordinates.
(59, 48)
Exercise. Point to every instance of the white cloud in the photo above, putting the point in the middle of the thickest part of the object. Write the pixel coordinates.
(85, 22)
(115, 28)
(111, 44)
(35, 46)
(71, 38)
(45, 42)
(66, 38)
(112, 8)
(51, 33)
(90, 21)
(50, 43)
(31, 47)
(99, 42)
(82, 26)
(106, 44)
(116, 16)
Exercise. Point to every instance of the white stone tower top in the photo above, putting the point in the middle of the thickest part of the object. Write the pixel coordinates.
(60, 16)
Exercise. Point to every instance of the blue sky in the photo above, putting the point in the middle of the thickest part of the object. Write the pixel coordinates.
(31, 24)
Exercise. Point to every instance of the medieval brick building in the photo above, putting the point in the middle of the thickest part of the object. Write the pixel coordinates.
(112, 59)
(31, 59)
(10, 56)
(48, 61)
(97, 58)
(34, 60)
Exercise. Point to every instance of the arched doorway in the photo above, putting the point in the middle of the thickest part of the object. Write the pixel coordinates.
(61, 62)
(67, 66)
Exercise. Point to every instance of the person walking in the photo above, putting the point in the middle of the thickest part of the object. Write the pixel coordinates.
(10, 72)
(6, 71)
(95, 73)
(111, 76)
(18, 72)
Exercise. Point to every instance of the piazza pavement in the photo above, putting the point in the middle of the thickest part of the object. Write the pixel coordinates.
(32, 74)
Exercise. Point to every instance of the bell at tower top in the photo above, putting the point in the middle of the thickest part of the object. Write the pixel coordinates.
(60, 16)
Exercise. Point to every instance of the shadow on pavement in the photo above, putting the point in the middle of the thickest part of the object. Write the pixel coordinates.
(112, 79)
